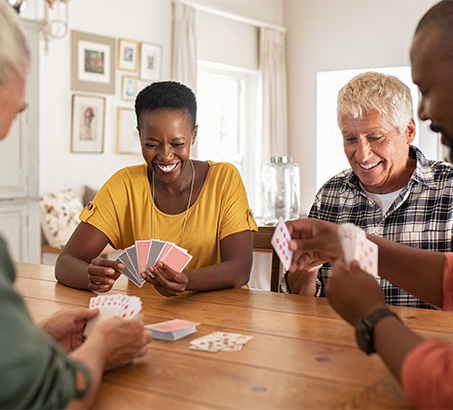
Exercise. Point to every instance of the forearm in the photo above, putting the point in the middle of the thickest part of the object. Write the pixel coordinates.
(417, 271)
(71, 271)
(393, 341)
(302, 282)
(223, 275)
(92, 355)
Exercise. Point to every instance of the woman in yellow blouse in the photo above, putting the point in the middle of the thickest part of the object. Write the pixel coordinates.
(199, 205)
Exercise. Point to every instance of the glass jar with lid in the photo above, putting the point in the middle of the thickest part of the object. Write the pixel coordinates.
(280, 188)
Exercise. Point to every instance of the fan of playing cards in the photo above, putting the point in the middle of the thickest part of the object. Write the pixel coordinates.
(123, 306)
(138, 257)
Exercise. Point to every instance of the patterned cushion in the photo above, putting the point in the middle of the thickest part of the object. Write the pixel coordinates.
(59, 216)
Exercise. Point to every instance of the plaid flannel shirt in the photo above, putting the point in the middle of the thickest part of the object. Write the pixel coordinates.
(421, 216)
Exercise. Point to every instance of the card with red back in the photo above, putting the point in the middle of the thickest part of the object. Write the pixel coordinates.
(280, 242)
(171, 325)
(177, 258)
(142, 249)
(165, 250)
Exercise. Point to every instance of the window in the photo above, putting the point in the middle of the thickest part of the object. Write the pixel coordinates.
(227, 117)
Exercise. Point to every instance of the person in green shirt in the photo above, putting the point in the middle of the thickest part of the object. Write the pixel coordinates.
(49, 365)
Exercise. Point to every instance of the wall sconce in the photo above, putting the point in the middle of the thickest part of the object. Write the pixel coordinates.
(18, 5)
(55, 20)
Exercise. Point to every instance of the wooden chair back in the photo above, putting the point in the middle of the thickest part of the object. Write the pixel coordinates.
(262, 241)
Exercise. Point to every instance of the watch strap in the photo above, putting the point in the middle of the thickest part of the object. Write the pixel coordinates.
(365, 328)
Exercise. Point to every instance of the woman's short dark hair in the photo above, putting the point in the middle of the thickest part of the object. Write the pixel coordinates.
(166, 94)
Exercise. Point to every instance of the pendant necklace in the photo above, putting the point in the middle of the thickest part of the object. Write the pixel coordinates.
(188, 203)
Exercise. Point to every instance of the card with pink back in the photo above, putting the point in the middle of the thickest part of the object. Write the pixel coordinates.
(142, 248)
(176, 258)
(172, 325)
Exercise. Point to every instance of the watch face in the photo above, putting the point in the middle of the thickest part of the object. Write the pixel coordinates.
(364, 337)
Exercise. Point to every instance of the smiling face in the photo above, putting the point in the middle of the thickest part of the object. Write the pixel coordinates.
(432, 73)
(166, 137)
(377, 152)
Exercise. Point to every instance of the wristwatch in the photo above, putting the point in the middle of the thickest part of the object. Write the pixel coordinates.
(364, 329)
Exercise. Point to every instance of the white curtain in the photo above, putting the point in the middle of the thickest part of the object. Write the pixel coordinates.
(184, 61)
(185, 50)
(273, 71)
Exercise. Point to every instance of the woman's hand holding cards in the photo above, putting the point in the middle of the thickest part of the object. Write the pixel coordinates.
(167, 281)
(102, 274)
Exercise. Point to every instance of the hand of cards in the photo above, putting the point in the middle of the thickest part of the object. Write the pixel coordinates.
(356, 246)
(123, 306)
(353, 240)
(146, 253)
(280, 242)
(220, 341)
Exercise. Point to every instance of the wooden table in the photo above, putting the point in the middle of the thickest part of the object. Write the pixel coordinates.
(303, 354)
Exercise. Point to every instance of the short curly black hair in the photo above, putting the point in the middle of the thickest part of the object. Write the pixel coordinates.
(166, 94)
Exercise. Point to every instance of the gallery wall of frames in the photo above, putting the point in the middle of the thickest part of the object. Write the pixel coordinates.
(95, 61)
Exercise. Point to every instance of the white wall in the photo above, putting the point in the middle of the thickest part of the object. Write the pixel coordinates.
(326, 35)
(139, 20)
(323, 35)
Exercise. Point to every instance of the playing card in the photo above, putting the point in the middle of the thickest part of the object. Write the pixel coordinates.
(154, 252)
(130, 308)
(142, 249)
(172, 329)
(123, 306)
(356, 246)
(220, 341)
(176, 258)
(105, 312)
(280, 241)
(171, 325)
(132, 254)
(165, 250)
(129, 271)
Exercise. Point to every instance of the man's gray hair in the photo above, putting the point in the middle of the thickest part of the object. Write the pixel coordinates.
(385, 94)
(14, 51)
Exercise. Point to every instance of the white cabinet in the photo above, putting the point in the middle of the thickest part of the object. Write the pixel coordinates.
(19, 169)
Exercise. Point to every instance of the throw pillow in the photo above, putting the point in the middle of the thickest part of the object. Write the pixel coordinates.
(59, 216)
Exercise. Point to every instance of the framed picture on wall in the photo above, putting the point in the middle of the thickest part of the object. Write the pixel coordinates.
(127, 141)
(129, 89)
(150, 61)
(127, 55)
(88, 114)
(92, 63)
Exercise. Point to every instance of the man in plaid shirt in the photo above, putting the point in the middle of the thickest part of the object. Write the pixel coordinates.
(391, 190)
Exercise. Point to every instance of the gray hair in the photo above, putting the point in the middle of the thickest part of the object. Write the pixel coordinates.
(375, 91)
(14, 51)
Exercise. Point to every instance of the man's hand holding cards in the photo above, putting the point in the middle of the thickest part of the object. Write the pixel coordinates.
(356, 246)
(117, 305)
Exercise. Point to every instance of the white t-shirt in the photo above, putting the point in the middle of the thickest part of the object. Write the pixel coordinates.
(384, 200)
